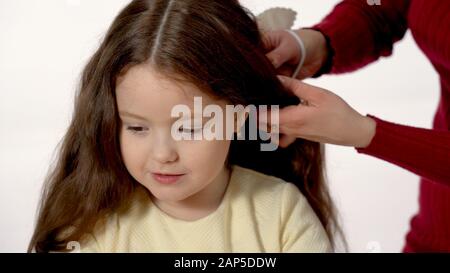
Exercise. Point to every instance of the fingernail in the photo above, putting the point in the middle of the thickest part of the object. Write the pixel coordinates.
(281, 78)
(274, 62)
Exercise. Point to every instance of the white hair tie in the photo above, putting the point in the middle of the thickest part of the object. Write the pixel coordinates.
(302, 52)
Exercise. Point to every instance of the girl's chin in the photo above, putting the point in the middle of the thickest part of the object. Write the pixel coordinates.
(167, 196)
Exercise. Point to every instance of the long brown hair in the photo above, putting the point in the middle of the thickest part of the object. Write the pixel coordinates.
(214, 44)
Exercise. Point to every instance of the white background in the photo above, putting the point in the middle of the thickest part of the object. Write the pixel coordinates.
(44, 45)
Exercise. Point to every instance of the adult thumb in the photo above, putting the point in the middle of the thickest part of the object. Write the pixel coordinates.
(278, 56)
(300, 89)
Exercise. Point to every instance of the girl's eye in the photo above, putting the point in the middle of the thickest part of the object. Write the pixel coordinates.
(190, 130)
(136, 129)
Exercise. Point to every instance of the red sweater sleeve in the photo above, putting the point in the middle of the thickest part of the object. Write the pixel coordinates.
(360, 33)
(421, 151)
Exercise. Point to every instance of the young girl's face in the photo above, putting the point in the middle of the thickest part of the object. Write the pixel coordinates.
(145, 100)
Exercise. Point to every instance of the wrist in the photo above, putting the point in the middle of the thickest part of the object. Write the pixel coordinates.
(368, 130)
(318, 49)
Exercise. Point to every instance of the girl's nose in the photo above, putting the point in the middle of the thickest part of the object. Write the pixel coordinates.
(164, 149)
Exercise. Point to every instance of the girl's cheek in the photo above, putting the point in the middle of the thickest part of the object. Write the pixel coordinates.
(204, 152)
(132, 152)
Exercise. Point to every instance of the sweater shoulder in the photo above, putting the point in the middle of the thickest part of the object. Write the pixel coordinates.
(256, 183)
(264, 191)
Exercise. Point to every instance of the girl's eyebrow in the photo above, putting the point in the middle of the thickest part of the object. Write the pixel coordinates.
(131, 115)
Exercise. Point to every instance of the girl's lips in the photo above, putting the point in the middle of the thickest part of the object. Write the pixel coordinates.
(166, 178)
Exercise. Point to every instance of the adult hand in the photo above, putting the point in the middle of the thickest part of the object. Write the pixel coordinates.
(284, 52)
(322, 117)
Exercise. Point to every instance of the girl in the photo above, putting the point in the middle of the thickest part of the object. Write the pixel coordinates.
(123, 184)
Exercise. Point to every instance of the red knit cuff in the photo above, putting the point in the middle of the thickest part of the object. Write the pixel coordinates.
(334, 43)
(378, 142)
(421, 151)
